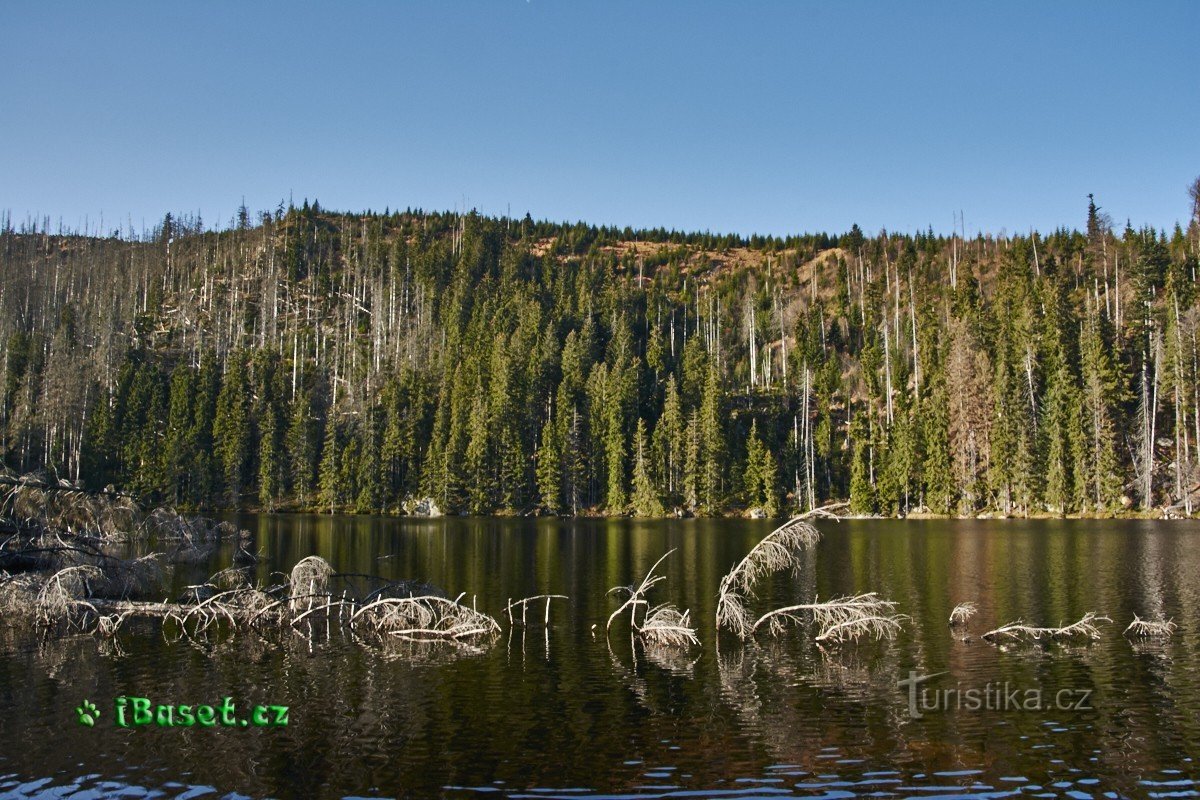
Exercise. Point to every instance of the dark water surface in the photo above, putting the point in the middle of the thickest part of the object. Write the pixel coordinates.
(563, 713)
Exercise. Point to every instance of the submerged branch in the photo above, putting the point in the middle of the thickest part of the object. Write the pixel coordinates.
(839, 619)
(662, 626)
(1018, 630)
(1150, 629)
(962, 613)
(524, 604)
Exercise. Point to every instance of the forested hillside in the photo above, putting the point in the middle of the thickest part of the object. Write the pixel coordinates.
(376, 362)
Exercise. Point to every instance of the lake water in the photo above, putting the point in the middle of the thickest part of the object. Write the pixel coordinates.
(563, 712)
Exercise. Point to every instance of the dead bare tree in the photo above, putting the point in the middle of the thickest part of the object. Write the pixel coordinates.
(839, 619)
(663, 625)
(779, 550)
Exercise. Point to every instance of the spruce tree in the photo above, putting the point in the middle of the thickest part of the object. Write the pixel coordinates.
(760, 477)
(615, 451)
(368, 497)
(692, 463)
(302, 445)
(645, 501)
(479, 478)
(270, 461)
(936, 468)
(231, 428)
(712, 446)
(179, 447)
(204, 468)
(668, 443)
(862, 494)
(1101, 390)
(329, 480)
(549, 468)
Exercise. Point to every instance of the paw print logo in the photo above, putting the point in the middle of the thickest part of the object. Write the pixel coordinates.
(88, 713)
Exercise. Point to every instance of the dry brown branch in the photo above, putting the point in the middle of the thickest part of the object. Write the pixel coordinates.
(138, 577)
(310, 576)
(166, 524)
(17, 594)
(666, 626)
(61, 598)
(839, 619)
(33, 503)
(1018, 630)
(637, 592)
(318, 609)
(94, 591)
(108, 624)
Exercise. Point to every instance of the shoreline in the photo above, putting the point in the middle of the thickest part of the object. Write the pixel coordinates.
(1157, 515)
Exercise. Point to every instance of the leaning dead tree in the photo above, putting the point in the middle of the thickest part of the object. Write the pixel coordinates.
(840, 619)
(1019, 631)
(779, 550)
(1150, 629)
(663, 625)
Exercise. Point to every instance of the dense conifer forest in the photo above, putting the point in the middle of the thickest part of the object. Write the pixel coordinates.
(407, 362)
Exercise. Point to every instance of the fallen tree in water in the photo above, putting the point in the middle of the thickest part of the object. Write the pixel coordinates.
(779, 550)
(841, 619)
(60, 572)
(32, 504)
(54, 525)
(67, 600)
(425, 618)
(1019, 631)
(660, 626)
(1150, 629)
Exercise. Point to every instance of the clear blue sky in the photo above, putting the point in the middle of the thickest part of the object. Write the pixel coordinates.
(767, 117)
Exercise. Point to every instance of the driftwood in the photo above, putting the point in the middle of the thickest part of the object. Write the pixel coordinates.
(667, 626)
(58, 532)
(425, 618)
(308, 579)
(69, 598)
(870, 625)
(32, 504)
